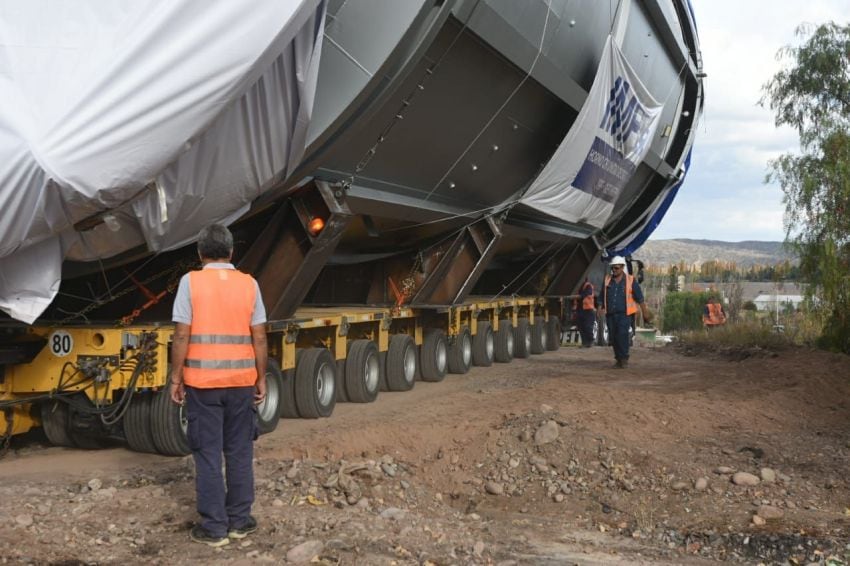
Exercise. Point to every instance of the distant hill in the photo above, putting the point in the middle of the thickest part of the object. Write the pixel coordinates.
(662, 253)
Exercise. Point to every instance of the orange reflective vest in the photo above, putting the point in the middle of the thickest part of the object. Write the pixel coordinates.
(715, 316)
(587, 302)
(631, 305)
(221, 352)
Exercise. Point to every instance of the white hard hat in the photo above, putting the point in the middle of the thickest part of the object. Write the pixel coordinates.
(617, 260)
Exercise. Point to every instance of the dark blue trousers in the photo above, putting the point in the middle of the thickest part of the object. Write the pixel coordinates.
(585, 325)
(222, 421)
(619, 329)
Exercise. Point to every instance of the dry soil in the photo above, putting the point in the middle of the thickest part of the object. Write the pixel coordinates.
(557, 459)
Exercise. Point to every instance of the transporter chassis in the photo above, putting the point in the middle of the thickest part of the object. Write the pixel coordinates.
(87, 386)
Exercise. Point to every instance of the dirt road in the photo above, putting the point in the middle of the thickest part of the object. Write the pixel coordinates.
(558, 459)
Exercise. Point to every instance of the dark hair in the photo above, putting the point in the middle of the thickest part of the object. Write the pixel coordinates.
(215, 242)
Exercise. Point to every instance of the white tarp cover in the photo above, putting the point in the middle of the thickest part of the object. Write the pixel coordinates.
(611, 136)
(160, 116)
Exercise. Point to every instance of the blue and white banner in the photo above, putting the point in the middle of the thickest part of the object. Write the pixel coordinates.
(599, 155)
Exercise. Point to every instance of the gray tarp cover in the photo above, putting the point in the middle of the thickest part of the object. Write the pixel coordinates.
(160, 116)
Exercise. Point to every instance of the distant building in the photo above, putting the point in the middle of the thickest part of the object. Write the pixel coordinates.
(751, 290)
(766, 302)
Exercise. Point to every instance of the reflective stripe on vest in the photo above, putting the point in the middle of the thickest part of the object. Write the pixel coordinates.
(221, 364)
(221, 352)
(587, 302)
(631, 305)
(218, 339)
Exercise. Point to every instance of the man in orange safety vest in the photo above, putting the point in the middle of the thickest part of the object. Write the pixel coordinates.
(586, 313)
(218, 369)
(712, 314)
(621, 299)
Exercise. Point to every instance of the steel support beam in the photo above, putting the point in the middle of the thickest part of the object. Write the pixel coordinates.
(286, 258)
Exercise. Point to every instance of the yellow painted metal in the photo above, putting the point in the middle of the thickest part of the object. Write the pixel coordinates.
(383, 338)
(67, 347)
(289, 354)
(22, 420)
(56, 365)
(340, 347)
(453, 328)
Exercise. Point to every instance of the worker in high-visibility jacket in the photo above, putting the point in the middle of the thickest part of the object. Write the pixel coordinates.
(586, 313)
(218, 369)
(712, 314)
(622, 296)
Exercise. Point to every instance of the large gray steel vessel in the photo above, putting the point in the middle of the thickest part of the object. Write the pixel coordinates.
(456, 148)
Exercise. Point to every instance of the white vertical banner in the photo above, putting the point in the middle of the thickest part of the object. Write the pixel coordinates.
(605, 145)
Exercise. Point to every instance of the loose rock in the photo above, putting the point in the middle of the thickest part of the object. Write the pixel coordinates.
(770, 513)
(745, 478)
(304, 552)
(547, 433)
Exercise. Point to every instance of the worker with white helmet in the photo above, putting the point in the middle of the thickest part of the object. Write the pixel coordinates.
(621, 297)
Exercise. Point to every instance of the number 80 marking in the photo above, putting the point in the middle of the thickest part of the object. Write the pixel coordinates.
(61, 343)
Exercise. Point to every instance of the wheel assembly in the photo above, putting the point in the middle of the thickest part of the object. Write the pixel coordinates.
(460, 352)
(539, 335)
(522, 339)
(483, 345)
(362, 371)
(268, 412)
(433, 358)
(169, 424)
(553, 334)
(137, 423)
(504, 338)
(401, 363)
(315, 380)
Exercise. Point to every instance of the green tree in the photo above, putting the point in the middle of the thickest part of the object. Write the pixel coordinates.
(683, 311)
(673, 283)
(812, 95)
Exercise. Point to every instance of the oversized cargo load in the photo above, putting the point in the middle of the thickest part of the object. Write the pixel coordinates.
(416, 185)
(365, 152)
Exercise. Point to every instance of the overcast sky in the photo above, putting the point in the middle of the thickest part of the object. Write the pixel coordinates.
(724, 196)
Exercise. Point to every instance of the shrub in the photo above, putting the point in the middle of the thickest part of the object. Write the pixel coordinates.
(683, 311)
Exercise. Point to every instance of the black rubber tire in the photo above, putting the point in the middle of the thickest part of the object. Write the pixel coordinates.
(85, 429)
(401, 363)
(268, 412)
(362, 371)
(483, 345)
(55, 422)
(460, 352)
(505, 343)
(341, 393)
(539, 335)
(433, 356)
(553, 334)
(522, 338)
(382, 379)
(137, 423)
(168, 423)
(288, 410)
(315, 380)
(601, 330)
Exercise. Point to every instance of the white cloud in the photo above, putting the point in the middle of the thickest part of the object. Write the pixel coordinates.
(724, 197)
